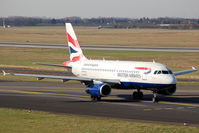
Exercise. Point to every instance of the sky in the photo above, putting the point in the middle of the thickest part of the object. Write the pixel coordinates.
(100, 8)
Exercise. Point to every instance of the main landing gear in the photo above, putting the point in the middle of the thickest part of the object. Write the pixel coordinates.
(94, 98)
(138, 95)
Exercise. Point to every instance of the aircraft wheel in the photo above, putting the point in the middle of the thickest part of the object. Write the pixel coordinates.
(98, 98)
(135, 95)
(94, 98)
(138, 95)
(141, 95)
(155, 100)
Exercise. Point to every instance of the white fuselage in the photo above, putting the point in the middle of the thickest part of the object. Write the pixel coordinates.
(124, 71)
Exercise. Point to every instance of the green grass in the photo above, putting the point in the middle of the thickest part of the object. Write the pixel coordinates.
(188, 83)
(21, 121)
(93, 36)
(23, 57)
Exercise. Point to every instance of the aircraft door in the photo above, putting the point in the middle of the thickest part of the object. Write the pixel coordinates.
(144, 76)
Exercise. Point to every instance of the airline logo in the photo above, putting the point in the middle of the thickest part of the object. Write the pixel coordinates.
(75, 50)
(74, 42)
(73, 45)
(72, 50)
(147, 69)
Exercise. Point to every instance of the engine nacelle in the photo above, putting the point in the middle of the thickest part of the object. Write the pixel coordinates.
(168, 91)
(99, 90)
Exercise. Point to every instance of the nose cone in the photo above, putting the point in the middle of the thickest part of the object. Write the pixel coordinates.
(170, 79)
(173, 79)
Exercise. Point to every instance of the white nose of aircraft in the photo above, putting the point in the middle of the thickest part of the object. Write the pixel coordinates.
(170, 79)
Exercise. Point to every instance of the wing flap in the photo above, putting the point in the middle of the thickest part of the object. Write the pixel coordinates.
(113, 81)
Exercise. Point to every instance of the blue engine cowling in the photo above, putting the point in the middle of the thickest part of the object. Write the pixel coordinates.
(99, 90)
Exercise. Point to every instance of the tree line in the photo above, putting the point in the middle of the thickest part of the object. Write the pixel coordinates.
(104, 22)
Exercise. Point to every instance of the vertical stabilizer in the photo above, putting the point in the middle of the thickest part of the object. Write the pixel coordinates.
(75, 51)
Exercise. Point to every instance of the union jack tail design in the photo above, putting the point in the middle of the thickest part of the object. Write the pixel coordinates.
(75, 51)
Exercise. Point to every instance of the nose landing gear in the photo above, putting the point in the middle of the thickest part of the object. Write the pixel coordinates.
(138, 95)
(155, 98)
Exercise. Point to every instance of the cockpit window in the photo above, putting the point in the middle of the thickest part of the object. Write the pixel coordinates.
(155, 72)
(170, 72)
(165, 72)
(162, 72)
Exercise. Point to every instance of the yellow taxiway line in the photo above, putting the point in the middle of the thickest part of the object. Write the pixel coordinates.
(42, 93)
(81, 96)
(174, 103)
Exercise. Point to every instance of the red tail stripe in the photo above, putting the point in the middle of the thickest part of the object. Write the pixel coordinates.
(74, 42)
(77, 58)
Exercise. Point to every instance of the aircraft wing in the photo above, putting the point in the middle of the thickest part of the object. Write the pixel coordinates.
(58, 65)
(185, 71)
(63, 78)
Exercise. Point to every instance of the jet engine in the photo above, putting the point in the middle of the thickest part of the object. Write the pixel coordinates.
(99, 90)
(168, 91)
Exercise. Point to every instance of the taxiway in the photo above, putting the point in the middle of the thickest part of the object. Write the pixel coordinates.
(70, 98)
(101, 47)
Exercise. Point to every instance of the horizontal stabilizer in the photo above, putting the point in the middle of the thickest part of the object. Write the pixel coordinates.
(58, 65)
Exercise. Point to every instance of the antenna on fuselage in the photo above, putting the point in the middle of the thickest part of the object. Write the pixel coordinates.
(153, 61)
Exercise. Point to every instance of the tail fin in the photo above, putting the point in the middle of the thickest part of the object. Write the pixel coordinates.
(75, 51)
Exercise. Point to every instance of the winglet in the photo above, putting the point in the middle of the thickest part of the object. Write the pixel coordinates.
(194, 68)
(4, 73)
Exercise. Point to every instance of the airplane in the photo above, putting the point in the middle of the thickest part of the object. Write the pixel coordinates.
(100, 76)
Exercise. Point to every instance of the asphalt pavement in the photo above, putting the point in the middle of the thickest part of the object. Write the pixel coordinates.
(70, 98)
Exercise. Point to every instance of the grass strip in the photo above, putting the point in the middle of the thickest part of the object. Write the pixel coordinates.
(24, 57)
(23, 121)
(94, 36)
